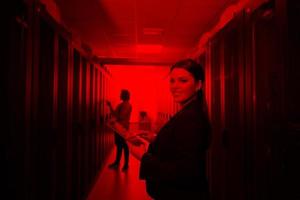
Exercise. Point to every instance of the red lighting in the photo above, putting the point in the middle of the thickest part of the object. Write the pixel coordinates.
(148, 88)
(148, 48)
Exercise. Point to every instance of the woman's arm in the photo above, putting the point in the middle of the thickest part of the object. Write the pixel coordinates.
(137, 146)
(148, 136)
(187, 156)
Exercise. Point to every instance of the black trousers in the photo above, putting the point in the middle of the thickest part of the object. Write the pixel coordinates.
(121, 144)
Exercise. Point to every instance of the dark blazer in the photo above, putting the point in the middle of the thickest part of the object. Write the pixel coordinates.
(174, 165)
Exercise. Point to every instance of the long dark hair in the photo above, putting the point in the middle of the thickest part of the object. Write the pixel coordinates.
(198, 73)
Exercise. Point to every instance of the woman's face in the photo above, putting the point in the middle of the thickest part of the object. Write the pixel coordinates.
(182, 85)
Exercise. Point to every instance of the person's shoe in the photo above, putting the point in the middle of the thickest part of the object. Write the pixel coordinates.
(125, 168)
(113, 166)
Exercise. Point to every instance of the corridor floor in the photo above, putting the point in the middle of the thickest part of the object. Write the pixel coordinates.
(118, 185)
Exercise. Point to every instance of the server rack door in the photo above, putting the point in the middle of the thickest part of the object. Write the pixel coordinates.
(15, 131)
(289, 138)
(264, 54)
(218, 146)
(84, 144)
(43, 101)
(234, 107)
(62, 129)
(91, 126)
(97, 117)
(102, 127)
(77, 127)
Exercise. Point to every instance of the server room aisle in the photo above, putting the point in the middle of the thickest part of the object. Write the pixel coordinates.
(118, 185)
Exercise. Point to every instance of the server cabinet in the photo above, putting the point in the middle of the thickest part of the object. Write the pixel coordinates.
(289, 139)
(218, 145)
(233, 134)
(97, 120)
(62, 121)
(43, 139)
(254, 69)
(263, 48)
(101, 120)
(227, 98)
(77, 129)
(88, 123)
(54, 141)
(94, 124)
(15, 80)
(83, 139)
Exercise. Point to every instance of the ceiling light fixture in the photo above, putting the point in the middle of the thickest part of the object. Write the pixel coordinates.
(149, 48)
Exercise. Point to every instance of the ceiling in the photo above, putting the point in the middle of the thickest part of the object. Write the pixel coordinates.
(141, 30)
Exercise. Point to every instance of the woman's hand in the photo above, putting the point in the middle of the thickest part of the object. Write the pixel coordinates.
(149, 136)
(136, 141)
(137, 146)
